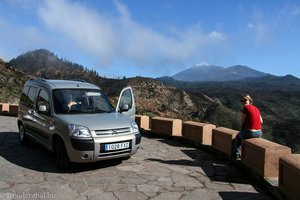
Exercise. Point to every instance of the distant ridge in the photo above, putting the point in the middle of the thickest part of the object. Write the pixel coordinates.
(204, 72)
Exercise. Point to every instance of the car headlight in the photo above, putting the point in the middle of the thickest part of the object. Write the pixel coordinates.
(79, 131)
(135, 127)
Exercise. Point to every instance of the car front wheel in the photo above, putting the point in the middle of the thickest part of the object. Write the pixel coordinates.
(62, 156)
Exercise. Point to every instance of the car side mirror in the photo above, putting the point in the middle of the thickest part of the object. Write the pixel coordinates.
(124, 107)
(43, 109)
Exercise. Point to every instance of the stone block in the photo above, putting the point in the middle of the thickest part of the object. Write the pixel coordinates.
(289, 176)
(166, 126)
(13, 109)
(262, 156)
(142, 121)
(198, 132)
(223, 139)
(5, 108)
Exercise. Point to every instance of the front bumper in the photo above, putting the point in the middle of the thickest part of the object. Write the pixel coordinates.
(92, 150)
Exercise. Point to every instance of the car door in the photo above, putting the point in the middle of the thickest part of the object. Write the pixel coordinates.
(126, 103)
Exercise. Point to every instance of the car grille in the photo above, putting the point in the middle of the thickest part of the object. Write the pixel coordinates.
(112, 132)
(103, 155)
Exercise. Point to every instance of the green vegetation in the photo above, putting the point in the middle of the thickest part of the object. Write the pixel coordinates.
(278, 99)
(11, 83)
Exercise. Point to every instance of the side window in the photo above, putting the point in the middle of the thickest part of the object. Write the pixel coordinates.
(24, 96)
(126, 98)
(31, 96)
(43, 99)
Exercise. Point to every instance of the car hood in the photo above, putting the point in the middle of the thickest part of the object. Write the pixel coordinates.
(98, 121)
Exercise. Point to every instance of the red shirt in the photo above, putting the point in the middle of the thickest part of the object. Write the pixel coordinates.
(252, 117)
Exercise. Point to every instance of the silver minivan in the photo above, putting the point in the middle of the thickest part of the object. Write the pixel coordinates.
(76, 120)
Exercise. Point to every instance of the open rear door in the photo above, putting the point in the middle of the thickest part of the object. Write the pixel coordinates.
(126, 104)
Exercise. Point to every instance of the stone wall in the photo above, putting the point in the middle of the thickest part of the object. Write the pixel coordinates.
(289, 176)
(266, 159)
(9, 109)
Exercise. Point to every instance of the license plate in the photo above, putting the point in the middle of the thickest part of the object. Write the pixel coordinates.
(116, 146)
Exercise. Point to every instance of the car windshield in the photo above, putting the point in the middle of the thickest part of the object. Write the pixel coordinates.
(76, 101)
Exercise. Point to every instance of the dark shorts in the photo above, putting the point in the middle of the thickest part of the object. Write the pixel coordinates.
(246, 134)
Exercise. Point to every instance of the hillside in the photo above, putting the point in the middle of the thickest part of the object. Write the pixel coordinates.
(152, 97)
(277, 97)
(213, 102)
(11, 83)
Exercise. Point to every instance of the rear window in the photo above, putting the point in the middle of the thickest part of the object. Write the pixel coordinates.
(28, 96)
(31, 97)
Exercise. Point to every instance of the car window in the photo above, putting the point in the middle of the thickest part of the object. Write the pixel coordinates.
(126, 98)
(74, 101)
(31, 96)
(43, 99)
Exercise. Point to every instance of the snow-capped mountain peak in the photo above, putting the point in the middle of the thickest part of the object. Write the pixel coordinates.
(203, 63)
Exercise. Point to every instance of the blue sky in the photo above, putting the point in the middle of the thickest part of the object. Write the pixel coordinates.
(155, 38)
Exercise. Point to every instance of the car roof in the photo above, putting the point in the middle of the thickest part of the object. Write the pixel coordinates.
(61, 84)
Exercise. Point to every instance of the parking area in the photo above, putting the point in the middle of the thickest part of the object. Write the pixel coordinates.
(162, 169)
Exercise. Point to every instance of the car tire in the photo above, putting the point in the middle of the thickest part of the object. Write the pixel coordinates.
(23, 137)
(62, 158)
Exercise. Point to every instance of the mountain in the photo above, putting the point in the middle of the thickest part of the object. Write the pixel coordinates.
(33, 61)
(205, 72)
(43, 63)
(198, 72)
(237, 72)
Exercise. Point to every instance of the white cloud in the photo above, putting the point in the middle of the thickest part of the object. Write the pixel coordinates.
(260, 28)
(217, 36)
(121, 37)
(89, 30)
